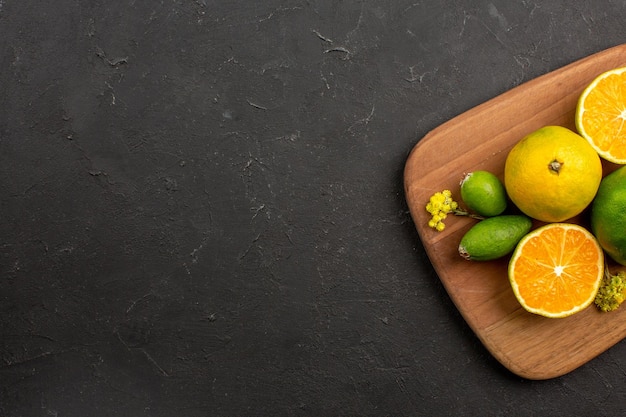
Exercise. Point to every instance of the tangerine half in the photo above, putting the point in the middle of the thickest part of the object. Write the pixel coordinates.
(556, 270)
(601, 115)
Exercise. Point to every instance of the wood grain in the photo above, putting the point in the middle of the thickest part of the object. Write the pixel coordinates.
(529, 345)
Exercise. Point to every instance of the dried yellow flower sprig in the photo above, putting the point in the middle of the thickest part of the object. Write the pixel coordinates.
(440, 205)
(612, 292)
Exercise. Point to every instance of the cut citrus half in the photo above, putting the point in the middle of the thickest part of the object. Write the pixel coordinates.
(601, 115)
(556, 270)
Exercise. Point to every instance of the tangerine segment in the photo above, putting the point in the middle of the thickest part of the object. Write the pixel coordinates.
(556, 270)
(601, 115)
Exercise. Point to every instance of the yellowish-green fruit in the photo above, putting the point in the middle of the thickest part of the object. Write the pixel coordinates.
(608, 215)
(494, 237)
(552, 174)
(483, 193)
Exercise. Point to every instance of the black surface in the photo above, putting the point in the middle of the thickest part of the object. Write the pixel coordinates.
(202, 207)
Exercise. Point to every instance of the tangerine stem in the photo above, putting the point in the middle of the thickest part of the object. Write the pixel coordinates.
(555, 166)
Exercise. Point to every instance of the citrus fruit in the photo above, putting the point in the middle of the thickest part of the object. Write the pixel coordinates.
(493, 237)
(483, 193)
(552, 174)
(608, 215)
(601, 115)
(556, 270)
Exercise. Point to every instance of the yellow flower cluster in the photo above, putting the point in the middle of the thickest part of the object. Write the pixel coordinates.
(612, 292)
(439, 206)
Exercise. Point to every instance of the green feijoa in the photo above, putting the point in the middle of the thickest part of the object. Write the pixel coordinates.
(494, 237)
(483, 193)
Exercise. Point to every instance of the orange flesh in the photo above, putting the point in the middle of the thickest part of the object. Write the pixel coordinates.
(558, 270)
(604, 116)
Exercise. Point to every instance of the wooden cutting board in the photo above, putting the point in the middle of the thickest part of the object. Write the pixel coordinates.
(529, 345)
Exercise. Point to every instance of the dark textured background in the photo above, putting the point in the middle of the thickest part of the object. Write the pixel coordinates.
(202, 210)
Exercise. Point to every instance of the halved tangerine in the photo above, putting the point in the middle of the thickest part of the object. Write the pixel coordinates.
(601, 115)
(556, 270)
